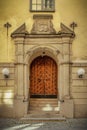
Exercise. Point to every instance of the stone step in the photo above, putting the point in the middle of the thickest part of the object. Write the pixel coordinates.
(43, 100)
(44, 116)
(31, 118)
(44, 109)
(43, 104)
(43, 112)
(38, 101)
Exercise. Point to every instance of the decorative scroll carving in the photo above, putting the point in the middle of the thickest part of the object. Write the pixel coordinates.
(43, 25)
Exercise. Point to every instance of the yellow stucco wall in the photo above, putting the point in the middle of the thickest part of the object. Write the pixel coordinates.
(16, 12)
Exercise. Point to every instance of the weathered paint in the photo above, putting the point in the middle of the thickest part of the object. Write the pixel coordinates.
(66, 11)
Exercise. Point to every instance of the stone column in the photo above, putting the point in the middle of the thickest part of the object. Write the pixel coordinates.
(19, 67)
(60, 81)
(66, 106)
(66, 66)
(66, 80)
(20, 105)
(26, 81)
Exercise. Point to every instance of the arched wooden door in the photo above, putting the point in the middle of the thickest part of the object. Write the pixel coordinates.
(43, 77)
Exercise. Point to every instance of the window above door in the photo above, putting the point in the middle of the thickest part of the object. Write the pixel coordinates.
(42, 5)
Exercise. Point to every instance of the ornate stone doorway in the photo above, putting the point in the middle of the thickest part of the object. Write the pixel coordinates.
(43, 78)
(28, 46)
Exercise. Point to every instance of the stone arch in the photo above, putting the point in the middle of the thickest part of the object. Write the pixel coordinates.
(51, 51)
(36, 51)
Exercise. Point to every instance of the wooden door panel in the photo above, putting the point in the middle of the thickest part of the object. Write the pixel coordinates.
(43, 76)
(36, 82)
(50, 73)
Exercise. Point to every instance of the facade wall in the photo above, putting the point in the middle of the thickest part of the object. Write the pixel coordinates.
(7, 91)
(67, 11)
(79, 89)
(32, 46)
(17, 13)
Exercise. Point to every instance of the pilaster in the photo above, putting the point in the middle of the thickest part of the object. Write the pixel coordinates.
(20, 66)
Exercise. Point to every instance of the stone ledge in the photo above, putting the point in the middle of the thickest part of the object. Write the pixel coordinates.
(44, 119)
(79, 63)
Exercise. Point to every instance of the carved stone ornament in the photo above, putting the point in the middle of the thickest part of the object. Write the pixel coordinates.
(21, 31)
(43, 25)
(65, 31)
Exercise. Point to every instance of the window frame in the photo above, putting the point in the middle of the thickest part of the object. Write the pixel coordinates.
(42, 10)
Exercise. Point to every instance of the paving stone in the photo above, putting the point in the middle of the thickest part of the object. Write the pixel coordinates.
(17, 124)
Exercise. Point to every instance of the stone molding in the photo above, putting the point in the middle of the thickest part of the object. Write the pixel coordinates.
(29, 46)
(43, 27)
(79, 63)
(20, 31)
(40, 16)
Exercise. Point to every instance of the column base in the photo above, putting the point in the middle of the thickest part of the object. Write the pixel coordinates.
(20, 108)
(67, 108)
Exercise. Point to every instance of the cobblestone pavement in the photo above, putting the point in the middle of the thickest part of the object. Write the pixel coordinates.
(69, 124)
